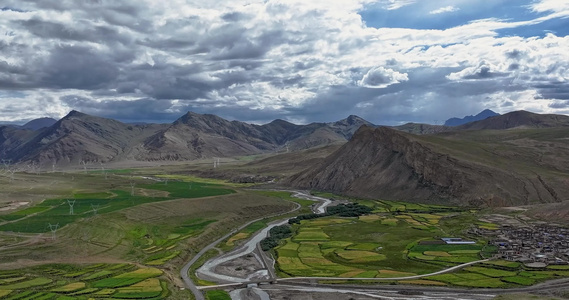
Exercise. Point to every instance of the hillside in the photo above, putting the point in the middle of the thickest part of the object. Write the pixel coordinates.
(476, 168)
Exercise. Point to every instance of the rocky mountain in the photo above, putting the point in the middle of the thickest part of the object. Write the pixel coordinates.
(480, 116)
(466, 167)
(80, 138)
(197, 136)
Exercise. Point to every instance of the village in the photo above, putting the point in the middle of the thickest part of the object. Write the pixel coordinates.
(535, 245)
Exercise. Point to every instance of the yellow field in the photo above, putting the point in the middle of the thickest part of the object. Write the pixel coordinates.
(4, 292)
(237, 237)
(70, 287)
(148, 285)
(392, 273)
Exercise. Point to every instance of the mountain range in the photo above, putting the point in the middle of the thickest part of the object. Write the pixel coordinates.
(81, 138)
(511, 159)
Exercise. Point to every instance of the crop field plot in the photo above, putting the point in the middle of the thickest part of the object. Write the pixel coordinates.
(453, 254)
(51, 282)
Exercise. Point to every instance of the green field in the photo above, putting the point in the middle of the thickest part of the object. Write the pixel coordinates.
(52, 282)
(57, 211)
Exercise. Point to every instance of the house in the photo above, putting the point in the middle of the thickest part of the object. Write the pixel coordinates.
(457, 241)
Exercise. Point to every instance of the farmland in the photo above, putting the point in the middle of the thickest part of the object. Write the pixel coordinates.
(124, 216)
(116, 281)
(399, 240)
(329, 247)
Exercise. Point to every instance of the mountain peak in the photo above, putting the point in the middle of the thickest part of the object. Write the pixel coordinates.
(487, 113)
(74, 113)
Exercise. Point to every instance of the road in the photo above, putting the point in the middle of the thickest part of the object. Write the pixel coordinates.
(185, 269)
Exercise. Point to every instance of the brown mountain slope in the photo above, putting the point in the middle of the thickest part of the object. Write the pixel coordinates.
(384, 163)
(80, 137)
(196, 136)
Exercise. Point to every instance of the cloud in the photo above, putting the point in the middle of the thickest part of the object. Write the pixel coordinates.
(380, 77)
(256, 60)
(396, 4)
(484, 70)
(549, 6)
(445, 9)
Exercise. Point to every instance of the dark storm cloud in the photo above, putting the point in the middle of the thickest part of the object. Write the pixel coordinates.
(75, 32)
(560, 104)
(125, 111)
(76, 67)
(484, 72)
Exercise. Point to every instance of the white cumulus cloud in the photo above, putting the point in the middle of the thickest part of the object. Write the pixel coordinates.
(380, 77)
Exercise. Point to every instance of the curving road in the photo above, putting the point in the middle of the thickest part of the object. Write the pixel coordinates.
(241, 251)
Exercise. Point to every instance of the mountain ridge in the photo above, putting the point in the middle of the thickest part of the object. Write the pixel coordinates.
(383, 163)
(79, 137)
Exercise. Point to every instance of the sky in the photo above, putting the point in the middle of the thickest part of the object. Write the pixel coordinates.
(388, 61)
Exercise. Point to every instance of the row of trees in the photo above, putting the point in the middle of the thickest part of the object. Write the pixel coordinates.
(342, 210)
(276, 234)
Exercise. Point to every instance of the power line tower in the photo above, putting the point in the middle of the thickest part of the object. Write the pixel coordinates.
(132, 185)
(71, 203)
(53, 229)
(103, 170)
(84, 165)
(95, 208)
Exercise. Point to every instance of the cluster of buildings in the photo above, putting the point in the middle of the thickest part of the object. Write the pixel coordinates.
(534, 245)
